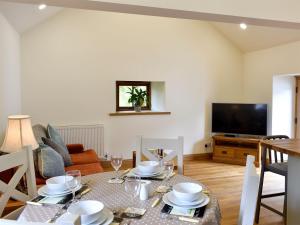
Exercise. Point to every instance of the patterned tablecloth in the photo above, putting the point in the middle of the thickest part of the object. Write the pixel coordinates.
(114, 197)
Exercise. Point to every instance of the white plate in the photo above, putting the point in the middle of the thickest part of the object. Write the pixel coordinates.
(137, 172)
(44, 191)
(108, 215)
(205, 202)
(100, 220)
(172, 198)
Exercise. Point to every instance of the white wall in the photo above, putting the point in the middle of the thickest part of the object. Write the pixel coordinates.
(283, 102)
(70, 64)
(10, 99)
(261, 66)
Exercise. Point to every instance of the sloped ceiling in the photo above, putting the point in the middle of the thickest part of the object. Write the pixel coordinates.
(256, 37)
(25, 16)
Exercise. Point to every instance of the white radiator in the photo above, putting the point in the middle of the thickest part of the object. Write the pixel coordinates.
(91, 136)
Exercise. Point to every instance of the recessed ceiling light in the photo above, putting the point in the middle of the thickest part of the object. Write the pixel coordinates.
(243, 26)
(42, 6)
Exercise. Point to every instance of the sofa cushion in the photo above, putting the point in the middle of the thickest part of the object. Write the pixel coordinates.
(55, 136)
(50, 163)
(86, 157)
(59, 149)
(86, 169)
(75, 148)
(39, 131)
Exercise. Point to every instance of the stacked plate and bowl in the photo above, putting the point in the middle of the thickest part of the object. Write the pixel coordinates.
(91, 212)
(56, 187)
(186, 195)
(148, 169)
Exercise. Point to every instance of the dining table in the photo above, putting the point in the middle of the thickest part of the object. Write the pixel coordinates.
(291, 147)
(114, 197)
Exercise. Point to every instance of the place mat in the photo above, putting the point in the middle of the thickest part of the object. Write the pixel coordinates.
(43, 200)
(198, 212)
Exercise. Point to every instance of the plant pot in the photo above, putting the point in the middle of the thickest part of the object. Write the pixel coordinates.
(138, 108)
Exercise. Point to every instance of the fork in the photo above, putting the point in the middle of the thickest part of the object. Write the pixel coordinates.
(60, 212)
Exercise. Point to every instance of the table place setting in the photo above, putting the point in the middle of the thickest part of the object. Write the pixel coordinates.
(65, 192)
(185, 200)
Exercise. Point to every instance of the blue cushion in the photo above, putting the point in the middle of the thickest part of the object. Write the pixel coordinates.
(50, 163)
(59, 149)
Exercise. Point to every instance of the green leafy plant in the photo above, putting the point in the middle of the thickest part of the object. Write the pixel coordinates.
(137, 96)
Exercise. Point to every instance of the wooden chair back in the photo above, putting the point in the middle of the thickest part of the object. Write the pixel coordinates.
(172, 148)
(249, 193)
(22, 162)
(270, 155)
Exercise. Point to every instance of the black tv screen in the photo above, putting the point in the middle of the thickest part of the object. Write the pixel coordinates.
(239, 118)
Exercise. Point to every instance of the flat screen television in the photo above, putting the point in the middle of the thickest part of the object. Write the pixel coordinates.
(232, 118)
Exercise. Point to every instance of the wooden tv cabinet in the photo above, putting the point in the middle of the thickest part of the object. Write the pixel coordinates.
(234, 150)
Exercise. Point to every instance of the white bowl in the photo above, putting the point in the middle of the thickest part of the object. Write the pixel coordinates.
(148, 166)
(89, 211)
(57, 184)
(187, 191)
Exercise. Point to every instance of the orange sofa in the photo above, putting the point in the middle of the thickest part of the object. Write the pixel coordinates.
(86, 161)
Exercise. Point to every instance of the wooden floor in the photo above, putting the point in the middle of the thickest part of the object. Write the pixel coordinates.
(225, 181)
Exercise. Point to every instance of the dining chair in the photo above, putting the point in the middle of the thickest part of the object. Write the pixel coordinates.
(249, 193)
(22, 163)
(275, 162)
(171, 149)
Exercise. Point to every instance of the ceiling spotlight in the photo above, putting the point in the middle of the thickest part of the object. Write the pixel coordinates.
(243, 26)
(42, 6)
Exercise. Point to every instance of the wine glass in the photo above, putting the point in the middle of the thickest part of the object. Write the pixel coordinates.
(159, 155)
(72, 181)
(133, 187)
(168, 169)
(116, 162)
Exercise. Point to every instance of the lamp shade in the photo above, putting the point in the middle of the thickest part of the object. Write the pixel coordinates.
(18, 134)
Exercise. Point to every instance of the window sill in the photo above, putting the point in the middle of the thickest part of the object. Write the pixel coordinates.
(142, 113)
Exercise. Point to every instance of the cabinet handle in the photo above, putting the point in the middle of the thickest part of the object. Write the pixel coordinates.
(224, 152)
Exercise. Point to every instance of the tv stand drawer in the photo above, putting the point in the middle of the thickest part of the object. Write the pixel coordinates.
(224, 152)
(242, 154)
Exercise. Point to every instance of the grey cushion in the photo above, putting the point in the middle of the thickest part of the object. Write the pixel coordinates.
(50, 163)
(39, 131)
(55, 136)
(59, 149)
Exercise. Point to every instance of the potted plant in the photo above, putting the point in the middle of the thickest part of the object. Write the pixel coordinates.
(137, 98)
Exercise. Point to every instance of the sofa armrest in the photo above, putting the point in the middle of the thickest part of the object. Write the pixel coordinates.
(75, 148)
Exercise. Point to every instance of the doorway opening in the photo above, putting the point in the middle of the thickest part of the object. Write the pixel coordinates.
(284, 105)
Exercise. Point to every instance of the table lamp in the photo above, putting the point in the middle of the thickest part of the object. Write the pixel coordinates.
(18, 134)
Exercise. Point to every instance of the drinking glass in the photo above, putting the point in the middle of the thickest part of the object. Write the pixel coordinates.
(168, 170)
(133, 187)
(73, 180)
(116, 162)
